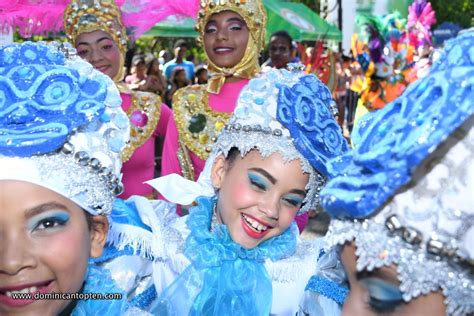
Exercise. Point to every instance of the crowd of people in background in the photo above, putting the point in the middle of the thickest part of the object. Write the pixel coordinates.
(168, 72)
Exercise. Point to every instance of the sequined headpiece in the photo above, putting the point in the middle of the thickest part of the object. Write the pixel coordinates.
(254, 15)
(377, 57)
(61, 124)
(82, 16)
(286, 112)
(404, 194)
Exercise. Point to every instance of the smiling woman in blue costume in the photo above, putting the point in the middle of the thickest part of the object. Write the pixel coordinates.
(401, 201)
(61, 134)
(238, 251)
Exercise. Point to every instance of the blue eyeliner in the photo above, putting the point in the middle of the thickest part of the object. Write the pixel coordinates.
(294, 200)
(59, 217)
(257, 180)
(384, 296)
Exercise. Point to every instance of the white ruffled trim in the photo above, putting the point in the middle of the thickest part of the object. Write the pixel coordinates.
(302, 263)
(124, 235)
(155, 214)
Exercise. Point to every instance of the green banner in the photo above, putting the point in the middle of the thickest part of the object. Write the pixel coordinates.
(299, 21)
(174, 26)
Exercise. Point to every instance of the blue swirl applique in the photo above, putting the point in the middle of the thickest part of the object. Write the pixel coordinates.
(304, 110)
(392, 142)
(42, 101)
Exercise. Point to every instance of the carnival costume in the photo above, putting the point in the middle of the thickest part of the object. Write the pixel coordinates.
(421, 17)
(384, 58)
(284, 112)
(404, 194)
(201, 111)
(61, 127)
(147, 115)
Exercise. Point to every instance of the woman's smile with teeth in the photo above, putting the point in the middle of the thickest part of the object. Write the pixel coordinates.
(223, 49)
(254, 224)
(32, 289)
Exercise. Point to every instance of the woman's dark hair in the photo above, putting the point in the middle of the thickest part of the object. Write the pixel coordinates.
(198, 70)
(233, 153)
(174, 75)
(89, 219)
(149, 71)
(138, 59)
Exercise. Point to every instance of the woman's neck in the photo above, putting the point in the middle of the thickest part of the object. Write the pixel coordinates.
(232, 79)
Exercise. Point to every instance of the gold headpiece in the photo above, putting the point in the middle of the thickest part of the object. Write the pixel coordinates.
(83, 16)
(251, 11)
(254, 15)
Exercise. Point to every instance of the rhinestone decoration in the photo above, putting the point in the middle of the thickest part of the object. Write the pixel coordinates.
(198, 125)
(83, 16)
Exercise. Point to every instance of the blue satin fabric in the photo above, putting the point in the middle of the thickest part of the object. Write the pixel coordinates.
(223, 278)
(126, 213)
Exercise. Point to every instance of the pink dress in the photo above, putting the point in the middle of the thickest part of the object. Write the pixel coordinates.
(140, 167)
(224, 102)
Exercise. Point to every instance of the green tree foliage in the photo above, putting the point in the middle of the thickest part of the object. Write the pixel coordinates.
(456, 11)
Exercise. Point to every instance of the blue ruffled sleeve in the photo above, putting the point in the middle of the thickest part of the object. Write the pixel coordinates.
(133, 243)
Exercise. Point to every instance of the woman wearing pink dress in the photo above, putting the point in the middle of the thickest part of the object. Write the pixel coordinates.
(101, 39)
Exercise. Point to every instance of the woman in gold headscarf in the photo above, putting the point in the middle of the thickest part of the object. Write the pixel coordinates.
(232, 33)
(95, 28)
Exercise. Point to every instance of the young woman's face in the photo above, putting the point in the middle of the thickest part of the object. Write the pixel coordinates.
(99, 49)
(280, 51)
(377, 292)
(155, 67)
(140, 69)
(45, 243)
(225, 38)
(258, 198)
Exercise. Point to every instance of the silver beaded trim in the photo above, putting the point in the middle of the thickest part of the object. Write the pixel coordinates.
(113, 183)
(420, 266)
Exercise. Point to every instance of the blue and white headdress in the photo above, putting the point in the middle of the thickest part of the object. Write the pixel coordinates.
(61, 124)
(283, 111)
(404, 194)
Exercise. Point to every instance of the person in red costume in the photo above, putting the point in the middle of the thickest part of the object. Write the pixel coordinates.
(101, 39)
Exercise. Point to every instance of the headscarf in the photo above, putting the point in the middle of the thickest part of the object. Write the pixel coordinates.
(283, 111)
(83, 16)
(254, 15)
